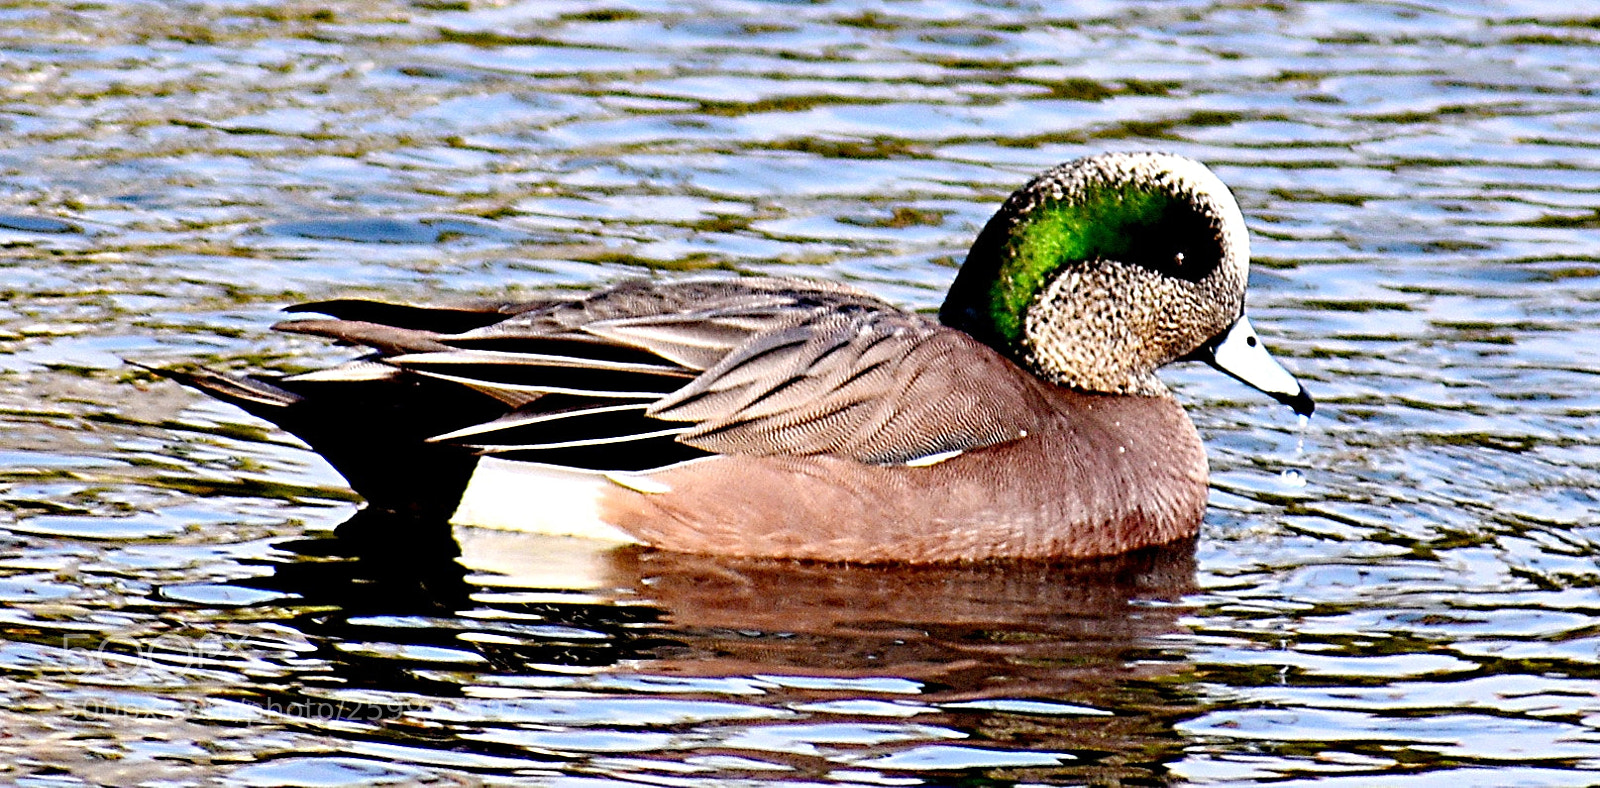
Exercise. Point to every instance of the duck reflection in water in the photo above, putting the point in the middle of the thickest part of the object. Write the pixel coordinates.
(986, 649)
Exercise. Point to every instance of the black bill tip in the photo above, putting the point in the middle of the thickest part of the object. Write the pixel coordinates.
(1300, 402)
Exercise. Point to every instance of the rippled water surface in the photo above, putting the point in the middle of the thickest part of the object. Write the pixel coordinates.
(1403, 593)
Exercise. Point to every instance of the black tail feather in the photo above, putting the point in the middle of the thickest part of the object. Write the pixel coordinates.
(254, 395)
(374, 433)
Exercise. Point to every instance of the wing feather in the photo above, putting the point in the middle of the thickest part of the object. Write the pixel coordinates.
(510, 361)
(519, 419)
(875, 386)
(740, 366)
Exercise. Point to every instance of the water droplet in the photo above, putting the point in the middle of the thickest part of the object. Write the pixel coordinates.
(1292, 478)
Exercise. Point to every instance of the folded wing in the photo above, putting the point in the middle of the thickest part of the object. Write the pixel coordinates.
(639, 376)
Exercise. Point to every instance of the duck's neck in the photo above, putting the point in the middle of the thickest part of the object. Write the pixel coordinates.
(1092, 326)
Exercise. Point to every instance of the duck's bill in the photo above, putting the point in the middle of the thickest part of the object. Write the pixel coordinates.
(1240, 354)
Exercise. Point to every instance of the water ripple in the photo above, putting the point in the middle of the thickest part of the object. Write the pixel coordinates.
(1401, 591)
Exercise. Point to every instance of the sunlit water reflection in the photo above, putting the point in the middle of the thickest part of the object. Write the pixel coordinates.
(1400, 592)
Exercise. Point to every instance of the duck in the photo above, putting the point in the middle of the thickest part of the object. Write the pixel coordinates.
(786, 418)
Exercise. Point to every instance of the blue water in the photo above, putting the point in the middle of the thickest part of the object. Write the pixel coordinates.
(1402, 592)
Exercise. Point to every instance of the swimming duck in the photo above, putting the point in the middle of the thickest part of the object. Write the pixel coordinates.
(811, 420)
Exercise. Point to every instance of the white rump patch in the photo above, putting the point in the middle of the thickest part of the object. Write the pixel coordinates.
(539, 499)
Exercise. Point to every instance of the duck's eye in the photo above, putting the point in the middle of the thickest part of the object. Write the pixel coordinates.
(1181, 243)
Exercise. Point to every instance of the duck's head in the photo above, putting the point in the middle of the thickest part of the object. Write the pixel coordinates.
(1101, 270)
